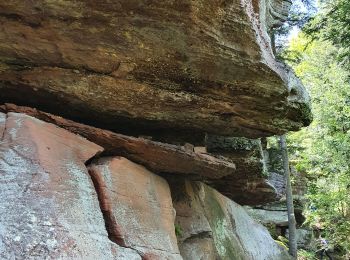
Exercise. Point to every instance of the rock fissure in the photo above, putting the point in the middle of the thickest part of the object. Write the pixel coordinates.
(164, 158)
(111, 181)
(200, 235)
(112, 228)
(3, 130)
(111, 225)
(17, 18)
(156, 156)
(111, 174)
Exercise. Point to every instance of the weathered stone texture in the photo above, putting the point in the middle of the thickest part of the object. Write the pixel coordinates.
(275, 217)
(304, 238)
(207, 219)
(138, 207)
(49, 207)
(253, 186)
(53, 207)
(156, 156)
(196, 66)
(276, 12)
(234, 166)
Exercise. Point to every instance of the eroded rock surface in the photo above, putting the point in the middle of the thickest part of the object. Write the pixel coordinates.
(253, 187)
(49, 207)
(304, 238)
(234, 166)
(274, 217)
(137, 206)
(149, 66)
(57, 207)
(208, 220)
(156, 156)
(276, 12)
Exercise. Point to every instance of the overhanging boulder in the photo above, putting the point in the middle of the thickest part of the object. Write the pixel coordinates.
(157, 66)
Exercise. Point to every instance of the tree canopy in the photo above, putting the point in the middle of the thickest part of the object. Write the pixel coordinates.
(333, 23)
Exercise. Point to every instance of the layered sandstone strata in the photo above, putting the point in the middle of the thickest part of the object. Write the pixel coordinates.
(150, 67)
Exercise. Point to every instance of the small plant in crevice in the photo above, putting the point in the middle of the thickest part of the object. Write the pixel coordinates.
(178, 230)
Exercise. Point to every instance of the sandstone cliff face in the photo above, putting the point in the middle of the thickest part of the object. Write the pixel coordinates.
(60, 202)
(126, 172)
(149, 66)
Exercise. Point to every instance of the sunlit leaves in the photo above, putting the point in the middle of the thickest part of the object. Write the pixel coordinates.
(323, 149)
(333, 24)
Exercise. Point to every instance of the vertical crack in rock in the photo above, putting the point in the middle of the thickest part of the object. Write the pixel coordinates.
(3, 129)
(111, 224)
(113, 228)
(48, 201)
(105, 205)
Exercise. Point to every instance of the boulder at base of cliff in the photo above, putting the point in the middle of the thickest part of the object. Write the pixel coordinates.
(209, 222)
(59, 201)
(48, 205)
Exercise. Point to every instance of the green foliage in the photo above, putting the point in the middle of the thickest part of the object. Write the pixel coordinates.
(272, 230)
(300, 13)
(281, 244)
(323, 149)
(306, 255)
(283, 239)
(333, 24)
(178, 230)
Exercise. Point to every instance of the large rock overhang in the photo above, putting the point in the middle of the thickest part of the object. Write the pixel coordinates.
(149, 65)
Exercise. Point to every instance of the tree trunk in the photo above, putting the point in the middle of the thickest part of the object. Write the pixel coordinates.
(289, 198)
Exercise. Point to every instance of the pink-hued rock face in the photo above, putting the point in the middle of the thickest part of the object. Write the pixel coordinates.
(49, 207)
(138, 206)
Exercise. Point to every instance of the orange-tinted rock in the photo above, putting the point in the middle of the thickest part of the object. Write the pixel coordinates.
(49, 207)
(210, 221)
(138, 207)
